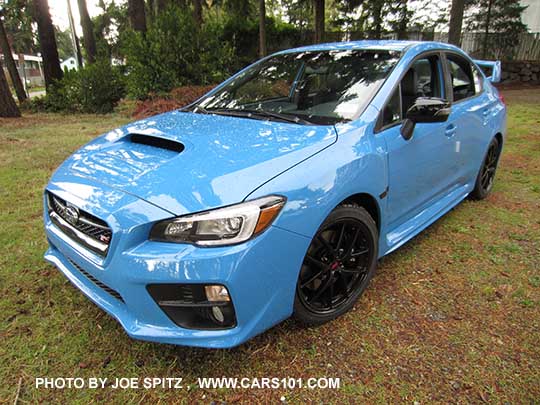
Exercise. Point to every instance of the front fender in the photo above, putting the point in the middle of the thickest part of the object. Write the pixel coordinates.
(356, 163)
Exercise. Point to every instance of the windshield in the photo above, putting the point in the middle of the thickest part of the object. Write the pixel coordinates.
(320, 87)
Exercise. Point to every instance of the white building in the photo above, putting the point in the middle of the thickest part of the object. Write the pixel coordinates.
(69, 64)
(32, 74)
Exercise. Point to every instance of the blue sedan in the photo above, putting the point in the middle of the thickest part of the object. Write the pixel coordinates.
(276, 193)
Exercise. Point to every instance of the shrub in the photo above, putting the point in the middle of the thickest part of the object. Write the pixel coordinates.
(173, 53)
(179, 97)
(95, 89)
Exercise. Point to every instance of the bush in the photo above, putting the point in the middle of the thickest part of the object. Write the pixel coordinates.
(94, 89)
(174, 53)
(179, 97)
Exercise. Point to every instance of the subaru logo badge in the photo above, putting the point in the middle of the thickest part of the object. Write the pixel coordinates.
(72, 214)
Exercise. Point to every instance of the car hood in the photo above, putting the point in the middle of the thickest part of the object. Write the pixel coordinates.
(185, 162)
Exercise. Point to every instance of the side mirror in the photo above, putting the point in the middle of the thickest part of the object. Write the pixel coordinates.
(407, 129)
(424, 110)
(427, 109)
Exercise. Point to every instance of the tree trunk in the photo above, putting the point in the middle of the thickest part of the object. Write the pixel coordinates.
(137, 16)
(88, 32)
(262, 29)
(377, 19)
(10, 64)
(319, 21)
(8, 107)
(197, 12)
(47, 41)
(74, 39)
(403, 21)
(486, 31)
(161, 5)
(456, 21)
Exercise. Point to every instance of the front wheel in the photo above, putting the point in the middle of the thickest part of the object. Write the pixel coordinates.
(338, 265)
(484, 180)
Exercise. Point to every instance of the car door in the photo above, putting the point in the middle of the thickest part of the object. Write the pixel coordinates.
(471, 110)
(419, 169)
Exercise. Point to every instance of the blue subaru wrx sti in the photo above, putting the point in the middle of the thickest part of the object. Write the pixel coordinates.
(274, 194)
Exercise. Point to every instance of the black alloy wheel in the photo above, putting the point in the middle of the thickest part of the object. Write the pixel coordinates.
(486, 176)
(338, 265)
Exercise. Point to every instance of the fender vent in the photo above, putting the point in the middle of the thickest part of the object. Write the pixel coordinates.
(157, 142)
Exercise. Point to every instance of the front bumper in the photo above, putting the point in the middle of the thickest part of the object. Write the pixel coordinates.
(260, 275)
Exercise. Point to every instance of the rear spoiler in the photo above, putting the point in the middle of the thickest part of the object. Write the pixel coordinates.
(491, 66)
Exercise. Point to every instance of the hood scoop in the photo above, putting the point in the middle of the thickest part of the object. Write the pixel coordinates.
(157, 142)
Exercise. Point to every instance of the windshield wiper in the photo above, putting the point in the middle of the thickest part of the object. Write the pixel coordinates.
(261, 113)
(199, 109)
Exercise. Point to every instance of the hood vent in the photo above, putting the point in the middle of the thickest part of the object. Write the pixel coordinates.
(157, 142)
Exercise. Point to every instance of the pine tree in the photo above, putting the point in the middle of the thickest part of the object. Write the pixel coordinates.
(89, 40)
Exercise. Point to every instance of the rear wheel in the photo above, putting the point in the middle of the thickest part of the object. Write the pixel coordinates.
(486, 176)
(338, 265)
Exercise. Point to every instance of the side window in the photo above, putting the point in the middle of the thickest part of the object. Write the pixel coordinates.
(461, 77)
(392, 111)
(423, 79)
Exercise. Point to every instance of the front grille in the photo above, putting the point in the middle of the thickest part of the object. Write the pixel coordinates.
(96, 234)
(98, 283)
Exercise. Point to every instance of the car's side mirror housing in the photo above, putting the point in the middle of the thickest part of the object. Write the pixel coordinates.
(424, 110)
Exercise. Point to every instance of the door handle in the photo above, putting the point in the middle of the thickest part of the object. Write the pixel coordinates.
(450, 130)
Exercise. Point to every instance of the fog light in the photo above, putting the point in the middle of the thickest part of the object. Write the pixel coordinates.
(195, 306)
(218, 314)
(216, 293)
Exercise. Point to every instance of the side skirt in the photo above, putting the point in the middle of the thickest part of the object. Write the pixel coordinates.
(406, 231)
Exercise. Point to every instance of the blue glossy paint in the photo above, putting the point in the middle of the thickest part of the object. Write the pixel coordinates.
(227, 160)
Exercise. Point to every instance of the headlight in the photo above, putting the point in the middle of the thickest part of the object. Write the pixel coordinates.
(222, 226)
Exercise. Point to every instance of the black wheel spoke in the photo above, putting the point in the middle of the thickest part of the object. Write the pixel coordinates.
(488, 170)
(340, 239)
(326, 245)
(362, 251)
(343, 282)
(359, 270)
(331, 292)
(351, 245)
(316, 262)
(311, 279)
(319, 292)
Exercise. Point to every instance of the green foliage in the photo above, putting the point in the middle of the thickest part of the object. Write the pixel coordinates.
(244, 37)
(175, 52)
(96, 89)
(18, 22)
(64, 43)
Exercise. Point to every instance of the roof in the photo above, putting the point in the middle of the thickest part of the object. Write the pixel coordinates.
(26, 57)
(390, 45)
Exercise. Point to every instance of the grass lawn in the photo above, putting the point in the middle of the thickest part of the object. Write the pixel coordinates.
(453, 316)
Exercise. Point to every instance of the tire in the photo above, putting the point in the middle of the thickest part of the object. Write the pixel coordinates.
(486, 175)
(338, 266)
